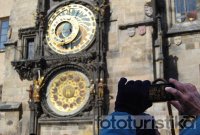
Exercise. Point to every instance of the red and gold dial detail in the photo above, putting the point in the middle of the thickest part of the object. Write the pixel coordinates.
(68, 92)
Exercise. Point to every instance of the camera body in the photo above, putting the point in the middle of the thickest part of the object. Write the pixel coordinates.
(157, 92)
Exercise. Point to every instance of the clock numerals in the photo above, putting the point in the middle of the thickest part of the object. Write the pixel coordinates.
(80, 14)
(72, 11)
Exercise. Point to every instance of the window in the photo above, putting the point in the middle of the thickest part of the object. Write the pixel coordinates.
(185, 10)
(29, 48)
(4, 26)
(182, 16)
(28, 43)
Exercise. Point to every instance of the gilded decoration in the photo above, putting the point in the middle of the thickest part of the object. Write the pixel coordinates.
(68, 92)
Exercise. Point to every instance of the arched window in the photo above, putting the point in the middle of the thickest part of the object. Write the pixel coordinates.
(185, 10)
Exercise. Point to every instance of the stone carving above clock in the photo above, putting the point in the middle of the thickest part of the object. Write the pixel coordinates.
(148, 9)
(71, 29)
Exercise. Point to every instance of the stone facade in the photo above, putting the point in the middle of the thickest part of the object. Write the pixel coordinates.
(9, 123)
(67, 129)
(15, 90)
(6, 8)
(127, 56)
(187, 61)
(10, 116)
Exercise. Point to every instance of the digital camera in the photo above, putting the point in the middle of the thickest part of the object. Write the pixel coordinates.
(157, 92)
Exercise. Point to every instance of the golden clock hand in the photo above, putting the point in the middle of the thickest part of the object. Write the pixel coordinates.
(60, 43)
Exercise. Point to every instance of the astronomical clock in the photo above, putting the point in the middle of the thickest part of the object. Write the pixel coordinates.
(67, 66)
(70, 34)
(71, 85)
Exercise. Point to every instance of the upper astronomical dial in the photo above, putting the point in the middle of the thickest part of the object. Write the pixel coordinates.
(71, 29)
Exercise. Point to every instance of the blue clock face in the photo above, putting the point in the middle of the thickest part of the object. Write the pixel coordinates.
(64, 30)
(71, 29)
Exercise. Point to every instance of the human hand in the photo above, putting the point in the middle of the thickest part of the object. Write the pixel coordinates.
(188, 98)
(132, 96)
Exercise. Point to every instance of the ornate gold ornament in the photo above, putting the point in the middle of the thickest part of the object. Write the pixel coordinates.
(101, 86)
(71, 29)
(37, 84)
(68, 92)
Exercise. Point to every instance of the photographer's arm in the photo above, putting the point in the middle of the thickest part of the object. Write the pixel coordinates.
(188, 103)
(188, 98)
(131, 100)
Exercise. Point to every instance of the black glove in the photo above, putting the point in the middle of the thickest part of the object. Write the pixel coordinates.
(132, 96)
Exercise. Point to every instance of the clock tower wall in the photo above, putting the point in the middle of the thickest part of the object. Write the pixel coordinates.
(22, 15)
(129, 54)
